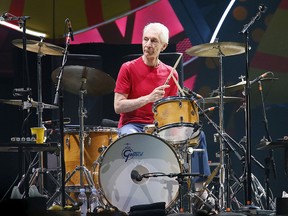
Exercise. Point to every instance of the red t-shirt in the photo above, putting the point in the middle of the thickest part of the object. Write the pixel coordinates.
(137, 79)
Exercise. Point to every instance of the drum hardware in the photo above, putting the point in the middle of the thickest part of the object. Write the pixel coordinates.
(234, 189)
(270, 163)
(58, 99)
(219, 50)
(82, 169)
(88, 81)
(245, 32)
(30, 103)
(200, 202)
(40, 48)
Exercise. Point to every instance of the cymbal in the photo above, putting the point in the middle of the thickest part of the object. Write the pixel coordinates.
(76, 78)
(27, 104)
(42, 48)
(216, 49)
(240, 86)
(216, 99)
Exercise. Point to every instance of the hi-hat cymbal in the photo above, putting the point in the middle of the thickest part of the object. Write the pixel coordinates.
(216, 99)
(240, 86)
(41, 48)
(77, 78)
(27, 104)
(216, 49)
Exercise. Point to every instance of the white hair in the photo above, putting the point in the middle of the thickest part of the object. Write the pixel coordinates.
(163, 31)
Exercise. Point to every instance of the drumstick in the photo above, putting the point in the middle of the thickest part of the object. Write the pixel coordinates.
(178, 86)
(171, 75)
(173, 69)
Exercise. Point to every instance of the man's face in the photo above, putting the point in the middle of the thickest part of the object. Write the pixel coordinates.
(151, 43)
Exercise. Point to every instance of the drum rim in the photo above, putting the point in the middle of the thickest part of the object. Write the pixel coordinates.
(173, 125)
(171, 98)
(168, 205)
(91, 129)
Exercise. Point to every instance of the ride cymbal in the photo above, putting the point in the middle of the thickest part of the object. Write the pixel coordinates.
(216, 99)
(216, 49)
(77, 78)
(27, 104)
(42, 48)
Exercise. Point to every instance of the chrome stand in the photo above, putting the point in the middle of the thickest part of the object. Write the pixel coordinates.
(82, 169)
(38, 174)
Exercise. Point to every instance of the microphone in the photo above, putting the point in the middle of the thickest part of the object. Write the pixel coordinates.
(70, 29)
(4, 16)
(262, 8)
(260, 77)
(57, 121)
(190, 93)
(207, 110)
(136, 176)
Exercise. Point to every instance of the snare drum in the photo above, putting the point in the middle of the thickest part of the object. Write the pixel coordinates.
(176, 119)
(96, 140)
(139, 153)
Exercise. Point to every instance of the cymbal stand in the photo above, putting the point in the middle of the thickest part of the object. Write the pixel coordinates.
(40, 112)
(248, 192)
(82, 169)
(222, 203)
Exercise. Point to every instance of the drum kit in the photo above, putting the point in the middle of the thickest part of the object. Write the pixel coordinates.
(111, 163)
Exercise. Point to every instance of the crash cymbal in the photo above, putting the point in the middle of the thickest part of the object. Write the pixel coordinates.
(76, 78)
(42, 48)
(240, 86)
(27, 104)
(216, 99)
(216, 49)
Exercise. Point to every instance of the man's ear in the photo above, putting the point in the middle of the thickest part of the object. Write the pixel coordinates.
(164, 47)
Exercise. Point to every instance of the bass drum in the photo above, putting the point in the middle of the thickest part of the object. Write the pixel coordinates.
(138, 153)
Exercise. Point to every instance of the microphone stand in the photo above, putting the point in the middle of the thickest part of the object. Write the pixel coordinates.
(248, 189)
(269, 161)
(59, 99)
(22, 24)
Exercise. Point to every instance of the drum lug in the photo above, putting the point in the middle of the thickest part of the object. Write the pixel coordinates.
(180, 103)
(156, 124)
(86, 136)
(67, 141)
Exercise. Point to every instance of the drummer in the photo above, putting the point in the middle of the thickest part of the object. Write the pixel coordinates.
(141, 82)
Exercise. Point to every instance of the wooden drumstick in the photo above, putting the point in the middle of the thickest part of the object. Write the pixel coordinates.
(171, 75)
(173, 69)
(178, 86)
